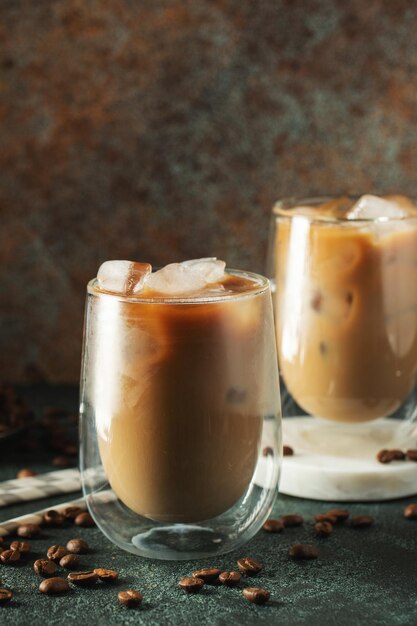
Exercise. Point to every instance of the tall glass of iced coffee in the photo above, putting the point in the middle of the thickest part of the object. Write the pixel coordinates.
(345, 273)
(180, 400)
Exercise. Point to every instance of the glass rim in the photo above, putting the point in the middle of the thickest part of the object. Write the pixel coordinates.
(263, 284)
(283, 207)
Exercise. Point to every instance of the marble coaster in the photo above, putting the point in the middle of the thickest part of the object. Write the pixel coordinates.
(336, 462)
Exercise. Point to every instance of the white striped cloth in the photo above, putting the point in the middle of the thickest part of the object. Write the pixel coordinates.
(40, 486)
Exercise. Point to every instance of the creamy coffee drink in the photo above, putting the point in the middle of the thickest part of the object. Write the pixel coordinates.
(346, 305)
(180, 384)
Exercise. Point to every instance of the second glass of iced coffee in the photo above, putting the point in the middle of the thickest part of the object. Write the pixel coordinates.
(346, 317)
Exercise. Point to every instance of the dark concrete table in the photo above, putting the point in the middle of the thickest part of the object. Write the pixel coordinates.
(361, 577)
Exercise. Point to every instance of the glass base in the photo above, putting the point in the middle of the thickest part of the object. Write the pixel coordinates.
(178, 541)
(156, 540)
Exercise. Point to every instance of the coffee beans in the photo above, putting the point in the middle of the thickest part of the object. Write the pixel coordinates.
(69, 561)
(191, 584)
(410, 511)
(130, 598)
(45, 568)
(22, 546)
(412, 454)
(325, 517)
(55, 553)
(292, 520)
(208, 575)
(77, 546)
(83, 579)
(303, 551)
(273, 526)
(256, 595)
(53, 518)
(106, 575)
(54, 586)
(61, 461)
(70, 449)
(323, 529)
(230, 579)
(5, 596)
(340, 514)
(9, 557)
(287, 451)
(26, 473)
(249, 566)
(362, 521)
(387, 456)
(71, 512)
(28, 531)
(84, 519)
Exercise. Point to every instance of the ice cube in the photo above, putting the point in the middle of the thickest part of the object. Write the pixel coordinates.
(370, 207)
(125, 277)
(186, 277)
(210, 268)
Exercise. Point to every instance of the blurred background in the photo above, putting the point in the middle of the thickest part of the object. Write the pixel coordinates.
(163, 130)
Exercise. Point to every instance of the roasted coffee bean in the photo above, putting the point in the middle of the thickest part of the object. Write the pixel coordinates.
(300, 551)
(384, 456)
(130, 598)
(256, 595)
(53, 518)
(8, 557)
(287, 451)
(71, 512)
(5, 596)
(267, 451)
(398, 455)
(61, 460)
(106, 575)
(83, 579)
(325, 517)
(230, 579)
(45, 568)
(412, 454)
(249, 566)
(26, 473)
(209, 575)
(292, 520)
(77, 546)
(84, 519)
(273, 526)
(323, 529)
(22, 546)
(362, 521)
(410, 511)
(28, 531)
(70, 561)
(340, 514)
(70, 449)
(191, 585)
(55, 553)
(54, 586)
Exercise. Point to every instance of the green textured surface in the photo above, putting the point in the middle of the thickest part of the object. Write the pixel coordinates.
(361, 577)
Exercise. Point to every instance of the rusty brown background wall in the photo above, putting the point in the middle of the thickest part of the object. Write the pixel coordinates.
(161, 130)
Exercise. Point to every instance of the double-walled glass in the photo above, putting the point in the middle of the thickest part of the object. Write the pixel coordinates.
(346, 324)
(180, 419)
